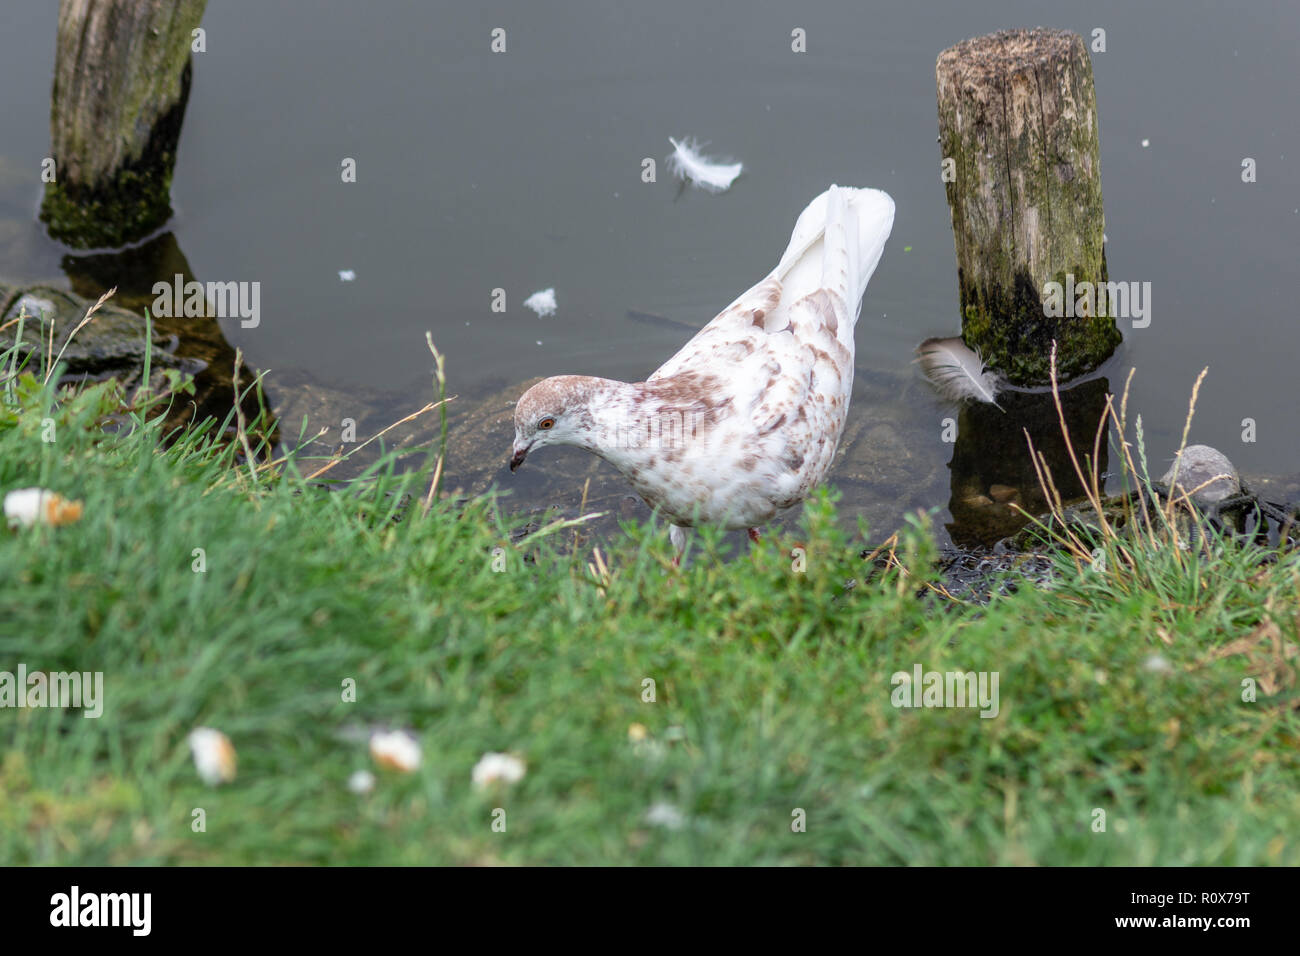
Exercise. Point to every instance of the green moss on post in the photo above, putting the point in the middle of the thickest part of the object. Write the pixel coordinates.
(121, 82)
(1018, 119)
(132, 203)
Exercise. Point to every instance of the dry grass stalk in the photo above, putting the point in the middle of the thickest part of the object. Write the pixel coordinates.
(893, 562)
(440, 372)
(241, 425)
(1090, 481)
(375, 437)
(90, 314)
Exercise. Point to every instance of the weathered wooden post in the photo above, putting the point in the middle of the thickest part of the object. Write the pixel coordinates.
(1018, 129)
(121, 81)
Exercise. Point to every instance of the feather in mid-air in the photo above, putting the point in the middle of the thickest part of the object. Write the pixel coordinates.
(745, 419)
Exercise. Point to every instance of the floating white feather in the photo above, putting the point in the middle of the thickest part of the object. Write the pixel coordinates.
(957, 372)
(687, 163)
(542, 302)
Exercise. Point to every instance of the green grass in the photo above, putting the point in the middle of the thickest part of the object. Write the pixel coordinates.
(772, 687)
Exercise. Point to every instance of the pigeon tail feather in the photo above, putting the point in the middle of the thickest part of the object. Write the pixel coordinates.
(859, 222)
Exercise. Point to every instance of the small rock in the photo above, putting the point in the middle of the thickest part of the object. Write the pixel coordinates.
(112, 343)
(1199, 464)
(978, 501)
(34, 306)
(1003, 493)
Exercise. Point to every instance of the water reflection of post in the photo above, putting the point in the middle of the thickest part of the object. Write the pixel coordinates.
(992, 471)
(134, 271)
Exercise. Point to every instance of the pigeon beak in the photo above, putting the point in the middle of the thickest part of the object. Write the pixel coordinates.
(517, 458)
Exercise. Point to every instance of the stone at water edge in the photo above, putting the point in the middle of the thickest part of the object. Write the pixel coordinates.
(112, 343)
(1200, 463)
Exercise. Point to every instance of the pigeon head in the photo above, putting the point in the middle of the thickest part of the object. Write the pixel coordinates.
(555, 412)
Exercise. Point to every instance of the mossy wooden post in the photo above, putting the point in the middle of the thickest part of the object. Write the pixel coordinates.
(1018, 120)
(121, 81)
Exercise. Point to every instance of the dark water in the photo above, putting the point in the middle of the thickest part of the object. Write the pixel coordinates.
(522, 171)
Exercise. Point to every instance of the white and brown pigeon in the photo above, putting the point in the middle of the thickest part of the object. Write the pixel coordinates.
(745, 419)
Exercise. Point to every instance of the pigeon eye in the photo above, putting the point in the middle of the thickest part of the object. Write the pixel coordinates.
(546, 423)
